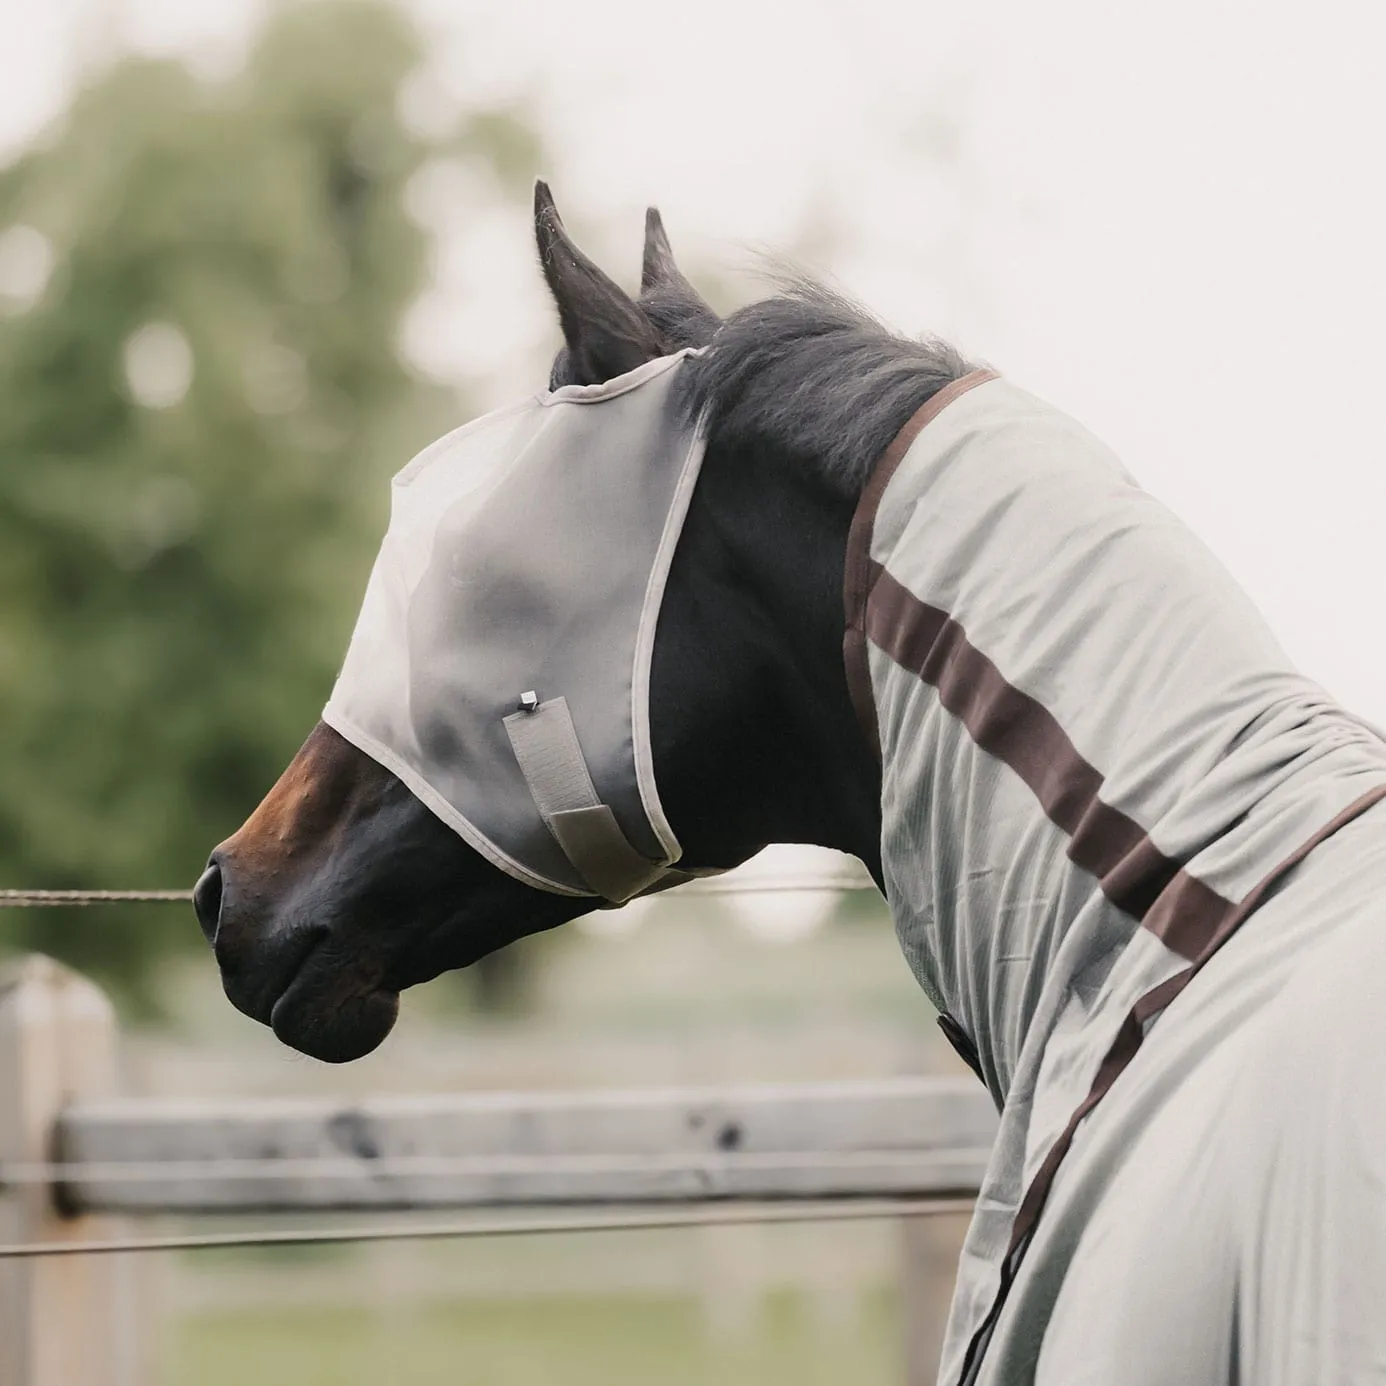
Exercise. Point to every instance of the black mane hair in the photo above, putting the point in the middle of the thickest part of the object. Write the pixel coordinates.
(813, 375)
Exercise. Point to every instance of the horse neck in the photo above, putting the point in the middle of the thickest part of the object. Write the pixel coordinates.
(766, 538)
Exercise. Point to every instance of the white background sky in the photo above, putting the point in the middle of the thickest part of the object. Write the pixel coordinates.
(1167, 219)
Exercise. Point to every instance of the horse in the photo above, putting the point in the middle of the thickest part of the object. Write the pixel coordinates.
(916, 615)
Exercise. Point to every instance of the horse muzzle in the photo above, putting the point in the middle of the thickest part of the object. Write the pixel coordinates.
(285, 971)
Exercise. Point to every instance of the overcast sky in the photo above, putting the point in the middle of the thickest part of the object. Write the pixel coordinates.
(1167, 219)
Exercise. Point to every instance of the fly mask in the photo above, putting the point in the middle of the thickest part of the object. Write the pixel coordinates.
(500, 665)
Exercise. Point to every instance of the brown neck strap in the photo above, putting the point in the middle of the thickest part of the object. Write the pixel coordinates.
(858, 570)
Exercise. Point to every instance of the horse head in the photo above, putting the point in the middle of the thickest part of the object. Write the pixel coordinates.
(344, 887)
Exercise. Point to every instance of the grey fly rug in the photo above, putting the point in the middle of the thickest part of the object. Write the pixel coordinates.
(1128, 852)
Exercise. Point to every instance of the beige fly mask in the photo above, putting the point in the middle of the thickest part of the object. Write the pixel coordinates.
(500, 666)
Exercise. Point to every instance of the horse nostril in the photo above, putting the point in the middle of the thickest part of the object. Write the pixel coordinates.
(207, 900)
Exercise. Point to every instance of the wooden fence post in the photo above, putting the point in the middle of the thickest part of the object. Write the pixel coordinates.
(70, 1320)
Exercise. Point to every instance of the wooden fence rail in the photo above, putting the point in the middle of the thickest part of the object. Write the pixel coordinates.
(907, 1137)
(77, 1161)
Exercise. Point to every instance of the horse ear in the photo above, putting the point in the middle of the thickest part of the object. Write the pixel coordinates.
(659, 269)
(605, 331)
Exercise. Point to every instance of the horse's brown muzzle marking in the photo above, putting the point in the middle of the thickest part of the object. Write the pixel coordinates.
(260, 905)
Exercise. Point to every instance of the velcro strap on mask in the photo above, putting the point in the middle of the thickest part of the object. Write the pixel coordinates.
(546, 746)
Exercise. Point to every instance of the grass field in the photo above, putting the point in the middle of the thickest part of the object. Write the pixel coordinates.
(572, 1341)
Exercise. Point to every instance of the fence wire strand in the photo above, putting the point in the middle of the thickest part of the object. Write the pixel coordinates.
(855, 1210)
(381, 1169)
(828, 882)
(13, 899)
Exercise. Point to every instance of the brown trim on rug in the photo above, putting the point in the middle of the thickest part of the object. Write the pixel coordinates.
(1022, 733)
(857, 570)
(1122, 1050)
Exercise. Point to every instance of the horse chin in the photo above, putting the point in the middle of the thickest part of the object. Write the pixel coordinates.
(332, 1019)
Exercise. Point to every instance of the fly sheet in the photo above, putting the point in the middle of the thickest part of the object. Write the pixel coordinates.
(500, 665)
(1097, 766)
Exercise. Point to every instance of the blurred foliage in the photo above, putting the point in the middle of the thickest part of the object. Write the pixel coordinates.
(180, 574)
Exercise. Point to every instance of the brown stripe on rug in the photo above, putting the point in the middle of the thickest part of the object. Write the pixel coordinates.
(858, 575)
(1020, 732)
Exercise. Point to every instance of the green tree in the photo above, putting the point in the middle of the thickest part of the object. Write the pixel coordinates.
(197, 415)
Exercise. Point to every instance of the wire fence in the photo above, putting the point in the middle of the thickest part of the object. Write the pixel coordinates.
(721, 1215)
(847, 879)
(14, 1176)
(13, 899)
(843, 1164)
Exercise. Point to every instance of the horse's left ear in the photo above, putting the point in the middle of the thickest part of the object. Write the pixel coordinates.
(606, 332)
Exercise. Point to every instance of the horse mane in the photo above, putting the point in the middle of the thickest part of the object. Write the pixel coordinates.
(813, 376)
